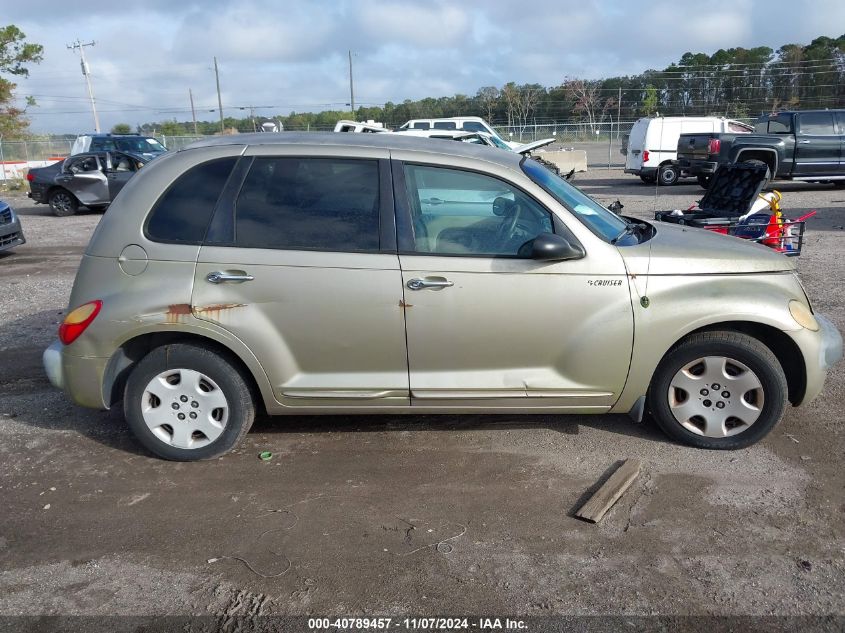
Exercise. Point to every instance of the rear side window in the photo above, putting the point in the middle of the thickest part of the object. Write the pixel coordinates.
(474, 126)
(820, 123)
(182, 214)
(309, 204)
(445, 125)
(420, 125)
(774, 124)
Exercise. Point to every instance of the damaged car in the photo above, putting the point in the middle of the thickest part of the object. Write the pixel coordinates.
(300, 274)
(92, 180)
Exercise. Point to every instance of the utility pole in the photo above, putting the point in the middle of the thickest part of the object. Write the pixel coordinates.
(87, 74)
(351, 89)
(618, 112)
(193, 112)
(219, 100)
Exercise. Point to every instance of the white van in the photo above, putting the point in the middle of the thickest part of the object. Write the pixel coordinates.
(653, 144)
(465, 123)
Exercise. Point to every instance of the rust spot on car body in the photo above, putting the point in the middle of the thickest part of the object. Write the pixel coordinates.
(177, 310)
(403, 305)
(213, 311)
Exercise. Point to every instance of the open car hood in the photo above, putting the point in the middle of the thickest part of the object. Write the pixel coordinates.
(529, 147)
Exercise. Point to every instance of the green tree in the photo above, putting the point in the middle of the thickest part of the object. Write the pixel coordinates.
(122, 128)
(649, 103)
(15, 53)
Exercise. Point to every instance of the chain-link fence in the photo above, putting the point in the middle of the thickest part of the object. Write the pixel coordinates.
(566, 132)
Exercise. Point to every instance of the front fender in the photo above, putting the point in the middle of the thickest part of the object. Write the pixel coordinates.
(681, 304)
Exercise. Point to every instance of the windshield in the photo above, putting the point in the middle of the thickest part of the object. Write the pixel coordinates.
(599, 220)
(140, 145)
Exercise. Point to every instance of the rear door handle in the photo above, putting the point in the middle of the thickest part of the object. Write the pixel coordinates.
(218, 277)
(420, 284)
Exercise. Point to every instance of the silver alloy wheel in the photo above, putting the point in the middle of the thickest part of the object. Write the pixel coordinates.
(715, 396)
(61, 201)
(184, 408)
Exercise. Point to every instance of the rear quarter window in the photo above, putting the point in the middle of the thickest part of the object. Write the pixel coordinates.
(183, 212)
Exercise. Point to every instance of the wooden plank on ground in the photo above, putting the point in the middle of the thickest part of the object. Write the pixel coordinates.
(604, 498)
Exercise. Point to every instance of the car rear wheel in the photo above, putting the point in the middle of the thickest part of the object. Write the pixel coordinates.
(186, 402)
(668, 175)
(63, 203)
(718, 390)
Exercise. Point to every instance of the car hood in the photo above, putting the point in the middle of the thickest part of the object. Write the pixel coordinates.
(529, 147)
(683, 250)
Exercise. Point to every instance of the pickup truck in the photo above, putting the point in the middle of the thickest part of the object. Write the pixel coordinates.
(808, 145)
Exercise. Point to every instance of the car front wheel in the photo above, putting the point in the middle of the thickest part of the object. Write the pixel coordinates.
(718, 390)
(186, 402)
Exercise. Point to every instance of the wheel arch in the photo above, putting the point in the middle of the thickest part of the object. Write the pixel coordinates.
(54, 188)
(767, 155)
(131, 351)
(782, 346)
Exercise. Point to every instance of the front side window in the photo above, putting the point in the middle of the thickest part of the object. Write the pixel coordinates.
(475, 126)
(182, 214)
(309, 204)
(819, 123)
(460, 212)
(599, 220)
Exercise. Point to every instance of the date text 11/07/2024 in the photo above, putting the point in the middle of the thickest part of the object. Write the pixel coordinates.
(416, 624)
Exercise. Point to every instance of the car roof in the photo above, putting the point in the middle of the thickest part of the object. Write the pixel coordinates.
(404, 142)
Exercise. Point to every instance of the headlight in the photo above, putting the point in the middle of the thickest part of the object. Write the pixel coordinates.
(803, 316)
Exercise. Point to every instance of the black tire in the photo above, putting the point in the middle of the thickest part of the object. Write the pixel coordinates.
(739, 348)
(63, 202)
(703, 181)
(649, 180)
(668, 175)
(225, 375)
(768, 178)
(839, 184)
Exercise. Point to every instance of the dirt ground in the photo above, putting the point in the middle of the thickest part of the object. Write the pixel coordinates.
(425, 515)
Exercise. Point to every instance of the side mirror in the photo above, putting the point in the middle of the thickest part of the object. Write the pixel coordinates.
(555, 248)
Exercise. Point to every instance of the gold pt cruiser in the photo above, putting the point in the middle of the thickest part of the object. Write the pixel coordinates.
(375, 273)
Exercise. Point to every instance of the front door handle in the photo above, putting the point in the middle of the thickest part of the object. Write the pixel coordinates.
(420, 284)
(218, 277)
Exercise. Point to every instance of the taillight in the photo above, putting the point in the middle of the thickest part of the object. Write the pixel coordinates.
(78, 320)
(30, 177)
(645, 155)
(714, 146)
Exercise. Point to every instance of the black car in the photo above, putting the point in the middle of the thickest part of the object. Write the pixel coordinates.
(91, 179)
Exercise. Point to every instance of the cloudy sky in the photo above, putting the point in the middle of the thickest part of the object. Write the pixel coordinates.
(292, 56)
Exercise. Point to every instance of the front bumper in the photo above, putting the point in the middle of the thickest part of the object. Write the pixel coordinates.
(11, 234)
(822, 350)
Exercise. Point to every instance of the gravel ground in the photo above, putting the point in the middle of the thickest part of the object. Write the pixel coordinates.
(411, 515)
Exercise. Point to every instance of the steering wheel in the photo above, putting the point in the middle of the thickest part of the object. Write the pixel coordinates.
(507, 228)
